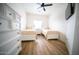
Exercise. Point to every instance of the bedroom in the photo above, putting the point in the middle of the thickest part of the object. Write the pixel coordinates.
(34, 30)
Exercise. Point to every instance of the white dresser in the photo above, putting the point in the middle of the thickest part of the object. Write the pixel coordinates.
(10, 43)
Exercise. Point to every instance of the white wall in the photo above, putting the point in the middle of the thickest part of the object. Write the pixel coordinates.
(57, 18)
(32, 17)
(57, 21)
(23, 20)
(70, 32)
(75, 49)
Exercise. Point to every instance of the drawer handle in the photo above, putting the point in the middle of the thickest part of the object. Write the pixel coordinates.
(0, 23)
(10, 14)
(18, 47)
(17, 40)
(18, 32)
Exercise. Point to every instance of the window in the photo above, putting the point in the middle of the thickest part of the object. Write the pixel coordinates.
(37, 24)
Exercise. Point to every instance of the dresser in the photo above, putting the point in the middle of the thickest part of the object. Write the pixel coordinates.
(10, 42)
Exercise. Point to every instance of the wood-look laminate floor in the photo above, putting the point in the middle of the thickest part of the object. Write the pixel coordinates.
(41, 46)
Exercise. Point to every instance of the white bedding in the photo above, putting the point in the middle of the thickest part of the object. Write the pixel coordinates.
(49, 34)
(28, 34)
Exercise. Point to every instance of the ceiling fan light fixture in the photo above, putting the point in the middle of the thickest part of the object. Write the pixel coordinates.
(43, 5)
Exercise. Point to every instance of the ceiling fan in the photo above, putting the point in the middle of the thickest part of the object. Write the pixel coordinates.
(43, 5)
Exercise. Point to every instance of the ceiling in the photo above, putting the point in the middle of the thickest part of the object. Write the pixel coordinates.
(33, 8)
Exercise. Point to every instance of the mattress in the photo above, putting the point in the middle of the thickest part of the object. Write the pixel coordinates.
(46, 31)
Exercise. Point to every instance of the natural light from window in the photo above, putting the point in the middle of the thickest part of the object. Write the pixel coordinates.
(38, 24)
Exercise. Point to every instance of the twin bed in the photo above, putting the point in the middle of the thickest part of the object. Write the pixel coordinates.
(30, 34)
(49, 34)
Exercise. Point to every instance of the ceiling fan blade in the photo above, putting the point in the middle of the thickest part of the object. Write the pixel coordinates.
(48, 5)
(43, 5)
(44, 9)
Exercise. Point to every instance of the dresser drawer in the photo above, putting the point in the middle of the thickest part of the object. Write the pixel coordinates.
(16, 50)
(53, 36)
(13, 50)
(9, 45)
(28, 37)
(8, 36)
